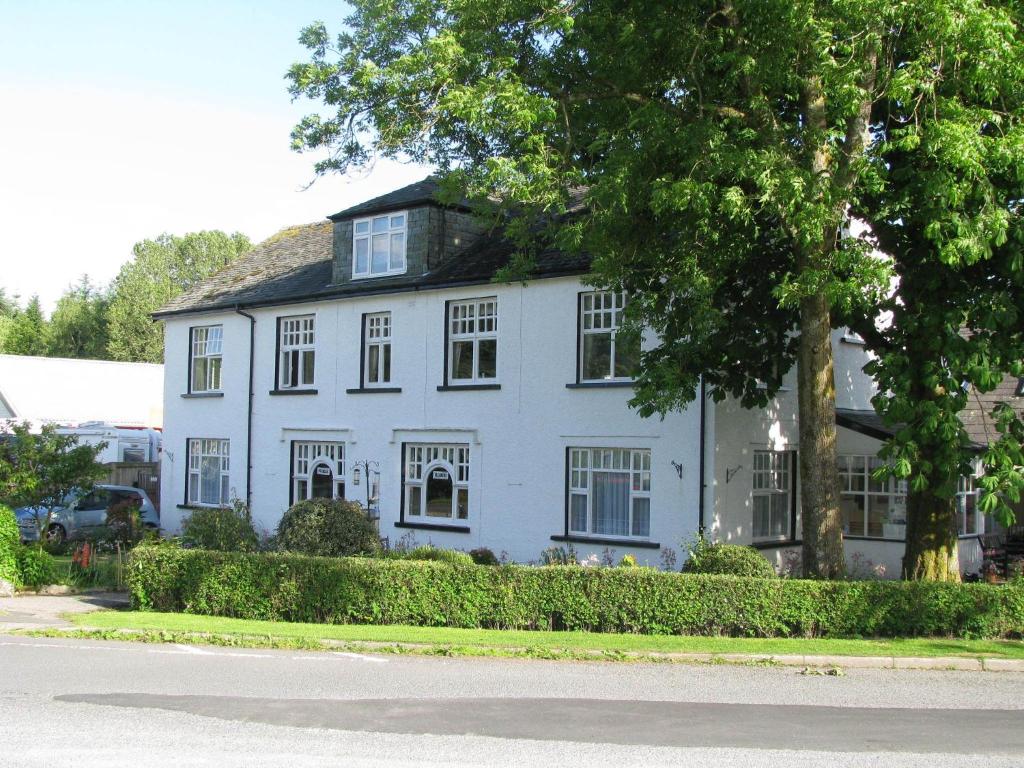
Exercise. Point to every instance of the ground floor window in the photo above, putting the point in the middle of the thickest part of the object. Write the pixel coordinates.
(610, 491)
(208, 479)
(772, 500)
(870, 507)
(435, 482)
(970, 522)
(318, 470)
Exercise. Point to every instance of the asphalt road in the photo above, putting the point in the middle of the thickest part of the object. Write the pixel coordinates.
(80, 703)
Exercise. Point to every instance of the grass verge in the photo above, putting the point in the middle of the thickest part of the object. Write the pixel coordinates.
(449, 641)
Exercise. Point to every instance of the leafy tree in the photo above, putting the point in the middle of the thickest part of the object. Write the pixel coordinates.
(42, 470)
(161, 269)
(722, 146)
(28, 331)
(947, 210)
(8, 309)
(78, 325)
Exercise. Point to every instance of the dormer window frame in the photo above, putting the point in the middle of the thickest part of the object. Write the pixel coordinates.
(393, 226)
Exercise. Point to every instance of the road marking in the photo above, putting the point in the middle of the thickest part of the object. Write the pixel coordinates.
(192, 650)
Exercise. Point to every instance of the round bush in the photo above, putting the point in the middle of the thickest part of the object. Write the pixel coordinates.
(225, 529)
(36, 567)
(427, 552)
(729, 560)
(9, 543)
(328, 528)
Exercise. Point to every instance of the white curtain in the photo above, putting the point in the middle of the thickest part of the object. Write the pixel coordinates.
(611, 503)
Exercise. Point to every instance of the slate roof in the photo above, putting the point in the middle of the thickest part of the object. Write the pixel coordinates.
(420, 193)
(295, 265)
(977, 416)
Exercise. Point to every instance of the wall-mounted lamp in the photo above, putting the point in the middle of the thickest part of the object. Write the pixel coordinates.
(678, 468)
(731, 473)
(355, 476)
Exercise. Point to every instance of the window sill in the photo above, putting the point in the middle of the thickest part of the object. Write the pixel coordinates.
(200, 506)
(847, 537)
(601, 385)
(292, 392)
(635, 543)
(379, 275)
(777, 543)
(459, 387)
(855, 340)
(196, 395)
(374, 390)
(433, 527)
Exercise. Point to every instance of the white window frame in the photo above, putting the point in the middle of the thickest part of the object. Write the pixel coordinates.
(892, 488)
(377, 337)
(635, 463)
(296, 341)
(218, 452)
(395, 227)
(772, 478)
(206, 343)
(601, 314)
(420, 460)
(967, 493)
(472, 321)
(307, 456)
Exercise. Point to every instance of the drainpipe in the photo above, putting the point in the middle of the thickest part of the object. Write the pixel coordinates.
(703, 451)
(252, 393)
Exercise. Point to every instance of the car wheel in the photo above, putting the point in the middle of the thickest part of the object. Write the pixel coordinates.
(56, 534)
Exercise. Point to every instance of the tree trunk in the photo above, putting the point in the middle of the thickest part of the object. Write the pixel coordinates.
(819, 486)
(931, 553)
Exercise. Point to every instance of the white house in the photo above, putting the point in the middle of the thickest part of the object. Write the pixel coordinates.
(373, 357)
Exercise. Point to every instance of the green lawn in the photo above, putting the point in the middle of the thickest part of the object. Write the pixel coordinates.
(491, 639)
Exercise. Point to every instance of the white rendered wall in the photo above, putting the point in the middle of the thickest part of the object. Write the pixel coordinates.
(518, 435)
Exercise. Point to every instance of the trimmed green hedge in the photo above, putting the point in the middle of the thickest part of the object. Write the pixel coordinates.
(641, 600)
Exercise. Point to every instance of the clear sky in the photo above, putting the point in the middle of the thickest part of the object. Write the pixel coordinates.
(121, 120)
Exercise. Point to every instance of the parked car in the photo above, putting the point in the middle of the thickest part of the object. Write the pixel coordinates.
(86, 512)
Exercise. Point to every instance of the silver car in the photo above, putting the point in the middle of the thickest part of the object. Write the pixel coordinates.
(84, 514)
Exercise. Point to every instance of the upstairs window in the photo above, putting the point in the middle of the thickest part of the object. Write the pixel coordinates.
(610, 492)
(378, 245)
(377, 349)
(207, 350)
(605, 353)
(297, 342)
(473, 341)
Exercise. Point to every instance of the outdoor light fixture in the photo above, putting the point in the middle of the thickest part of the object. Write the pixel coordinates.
(355, 476)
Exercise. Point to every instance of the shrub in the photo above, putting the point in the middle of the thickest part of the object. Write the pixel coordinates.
(36, 567)
(328, 528)
(727, 560)
(644, 600)
(558, 556)
(484, 556)
(428, 552)
(225, 529)
(9, 544)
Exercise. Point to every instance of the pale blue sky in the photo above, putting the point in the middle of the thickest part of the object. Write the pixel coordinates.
(122, 120)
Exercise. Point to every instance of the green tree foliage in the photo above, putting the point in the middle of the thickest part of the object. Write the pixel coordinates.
(42, 470)
(161, 269)
(27, 332)
(78, 325)
(722, 146)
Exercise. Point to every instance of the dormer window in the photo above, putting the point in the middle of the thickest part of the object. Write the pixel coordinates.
(378, 245)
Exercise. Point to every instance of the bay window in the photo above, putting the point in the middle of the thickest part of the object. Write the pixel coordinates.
(870, 507)
(435, 484)
(610, 492)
